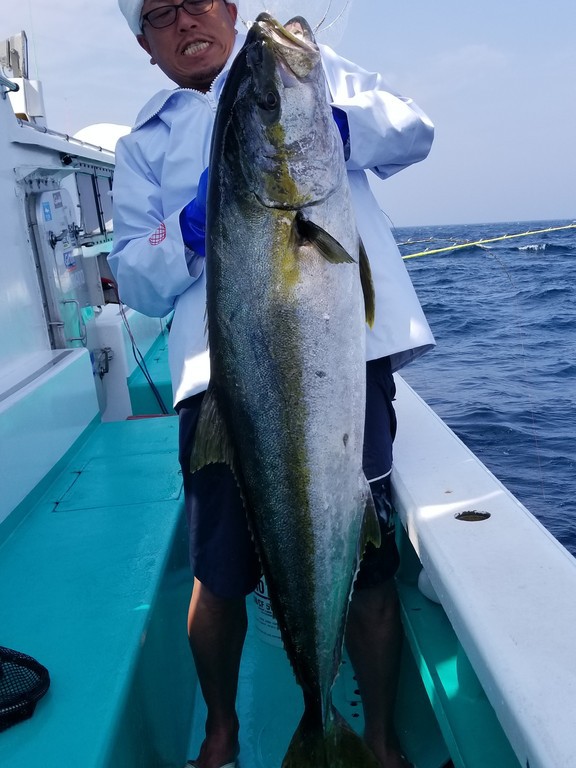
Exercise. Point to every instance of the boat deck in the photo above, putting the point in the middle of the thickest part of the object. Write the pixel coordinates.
(94, 583)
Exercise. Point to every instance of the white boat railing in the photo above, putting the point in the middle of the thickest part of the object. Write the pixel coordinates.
(7, 84)
(65, 137)
(506, 584)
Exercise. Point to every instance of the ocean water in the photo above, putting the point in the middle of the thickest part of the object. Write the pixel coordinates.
(503, 374)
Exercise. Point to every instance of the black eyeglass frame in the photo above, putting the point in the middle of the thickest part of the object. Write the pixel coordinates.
(186, 5)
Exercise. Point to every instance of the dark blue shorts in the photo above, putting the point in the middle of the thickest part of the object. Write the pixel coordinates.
(379, 564)
(222, 553)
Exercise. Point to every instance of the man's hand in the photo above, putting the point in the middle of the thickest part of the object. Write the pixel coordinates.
(342, 122)
(193, 218)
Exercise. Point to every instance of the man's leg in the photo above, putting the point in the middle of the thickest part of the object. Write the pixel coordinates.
(226, 569)
(374, 630)
(216, 629)
(374, 643)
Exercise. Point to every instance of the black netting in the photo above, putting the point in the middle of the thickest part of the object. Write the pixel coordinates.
(23, 681)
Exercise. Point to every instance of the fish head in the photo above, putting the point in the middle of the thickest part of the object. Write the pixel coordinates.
(281, 135)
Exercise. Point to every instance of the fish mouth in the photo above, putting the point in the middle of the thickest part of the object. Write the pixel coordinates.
(295, 33)
(293, 42)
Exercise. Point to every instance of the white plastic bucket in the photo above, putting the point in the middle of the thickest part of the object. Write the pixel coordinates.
(266, 625)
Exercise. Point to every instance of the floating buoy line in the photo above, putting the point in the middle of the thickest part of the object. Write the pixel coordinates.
(456, 246)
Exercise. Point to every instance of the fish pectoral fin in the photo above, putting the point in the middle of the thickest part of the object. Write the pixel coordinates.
(212, 443)
(334, 253)
(367, 286)
(323, 241)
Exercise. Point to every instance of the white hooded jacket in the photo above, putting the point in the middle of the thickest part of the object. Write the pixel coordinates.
(158, 166)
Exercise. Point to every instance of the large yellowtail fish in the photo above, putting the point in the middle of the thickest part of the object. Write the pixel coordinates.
(286, 315)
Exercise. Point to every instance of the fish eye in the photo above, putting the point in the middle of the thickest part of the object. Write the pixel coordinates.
(271, 100)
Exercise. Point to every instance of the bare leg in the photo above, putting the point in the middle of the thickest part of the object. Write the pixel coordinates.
(217, 629)
(374, 643)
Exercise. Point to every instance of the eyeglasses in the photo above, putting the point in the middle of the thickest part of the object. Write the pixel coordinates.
(166, 15)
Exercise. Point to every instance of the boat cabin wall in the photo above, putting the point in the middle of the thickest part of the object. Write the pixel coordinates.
(47, 395)
(56, 198)
(51, 391)
(66, 354)
(23, 331)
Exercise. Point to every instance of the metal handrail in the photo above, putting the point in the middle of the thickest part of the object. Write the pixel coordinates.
(65, 136)
(8, 84)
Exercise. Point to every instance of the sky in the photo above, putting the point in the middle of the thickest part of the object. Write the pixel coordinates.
(497, 78)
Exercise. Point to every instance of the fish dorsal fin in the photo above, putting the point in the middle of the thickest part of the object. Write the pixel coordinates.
(367, 286)
(327, 245)
(212, 443)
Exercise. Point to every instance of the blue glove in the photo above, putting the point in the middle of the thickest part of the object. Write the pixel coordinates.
(193, 218)
(342, 123)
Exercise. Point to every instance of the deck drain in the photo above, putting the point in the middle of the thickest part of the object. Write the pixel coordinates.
(472, 516)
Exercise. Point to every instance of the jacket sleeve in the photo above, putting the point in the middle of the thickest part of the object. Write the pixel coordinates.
(388, 132)
(149, 260)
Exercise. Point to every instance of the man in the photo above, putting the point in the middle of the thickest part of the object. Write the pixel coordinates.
(158, 257)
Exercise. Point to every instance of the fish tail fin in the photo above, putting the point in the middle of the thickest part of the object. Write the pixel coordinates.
(335, 745)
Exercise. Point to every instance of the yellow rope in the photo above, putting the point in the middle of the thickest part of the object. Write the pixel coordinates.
(488, 240)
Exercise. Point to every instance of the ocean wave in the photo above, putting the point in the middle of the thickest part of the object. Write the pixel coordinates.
(545, 293)
(565, 370)
(549, 248)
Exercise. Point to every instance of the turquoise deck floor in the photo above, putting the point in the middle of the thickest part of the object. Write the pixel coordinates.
(94, 583)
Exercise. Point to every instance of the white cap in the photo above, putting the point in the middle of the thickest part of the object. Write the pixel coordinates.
(132, 10)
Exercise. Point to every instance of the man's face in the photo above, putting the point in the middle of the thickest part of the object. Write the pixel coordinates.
(193, 50)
